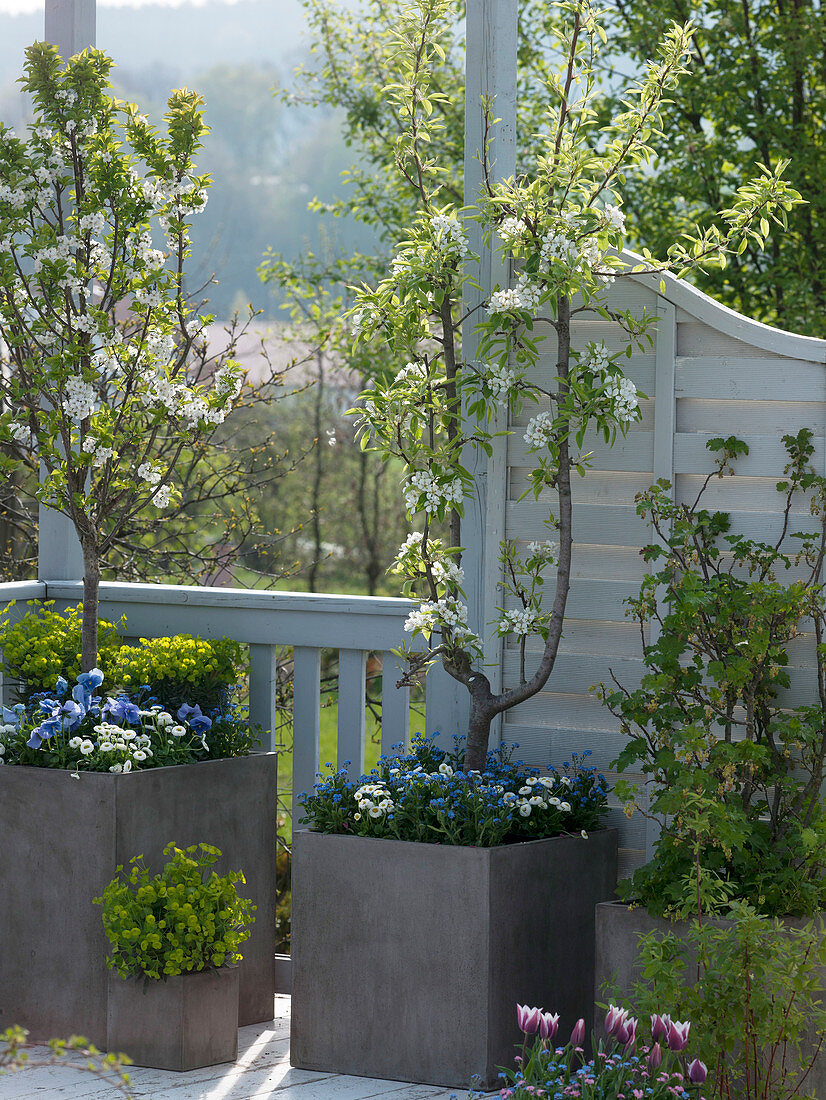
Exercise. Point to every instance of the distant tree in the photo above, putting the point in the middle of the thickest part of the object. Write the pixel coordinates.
(757, 93)
(354, 517)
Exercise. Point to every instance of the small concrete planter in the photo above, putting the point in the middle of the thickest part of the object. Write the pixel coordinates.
(409, 959)
(62, 839)
(185, 1022)
(618, 930)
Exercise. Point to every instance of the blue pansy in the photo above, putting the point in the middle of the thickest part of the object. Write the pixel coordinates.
(198, 721)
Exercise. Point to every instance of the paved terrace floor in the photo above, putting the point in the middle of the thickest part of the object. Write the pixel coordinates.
(263, 1070)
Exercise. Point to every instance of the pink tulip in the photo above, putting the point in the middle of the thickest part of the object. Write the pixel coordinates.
(659, 1026)
(548, 1025)
(615, 1018)
(678, 1035)
(528, 1019)
(655, 1057)
(578, 1034)
(697, 1072)
(626, 1034)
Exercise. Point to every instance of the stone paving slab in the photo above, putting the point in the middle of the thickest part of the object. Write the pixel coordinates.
(262, 1071)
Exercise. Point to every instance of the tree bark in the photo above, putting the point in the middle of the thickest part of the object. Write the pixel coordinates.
(484, 704)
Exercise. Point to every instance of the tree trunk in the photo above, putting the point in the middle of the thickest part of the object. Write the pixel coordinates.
(481, 716)
(91, 587)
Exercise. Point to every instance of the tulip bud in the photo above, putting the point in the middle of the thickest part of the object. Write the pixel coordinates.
(578, 1034)
(548, 1025)
(615, 1017)
(655, 1057)
(659, 1026)
(630, 1034)
(678, 1035)
(528, 1019)
(697, 1072)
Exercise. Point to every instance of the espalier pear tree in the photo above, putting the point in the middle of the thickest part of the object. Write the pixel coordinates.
(95, 209)
(562, 224)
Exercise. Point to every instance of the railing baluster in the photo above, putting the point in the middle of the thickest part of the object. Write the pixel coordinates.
(352, 665)
(395, 703)
(306, 721)
(263, 672)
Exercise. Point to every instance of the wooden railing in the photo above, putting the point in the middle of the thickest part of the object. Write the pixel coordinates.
(354, 625)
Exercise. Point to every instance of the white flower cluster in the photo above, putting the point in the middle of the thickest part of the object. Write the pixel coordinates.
(64, 249)
(146, 255)
(15, 197)
(547, 550)
(500, 380)
(427, 493)
(556, 247)
(91, 223)
(149, 473)
(595, 358)
(432, 614)
(519, 621)
(535, 794)
(540, 430)
(622, 393)
(162, 496)
(415, 372)
(614, 217)
(21, 434)
(511, 229)
(101, 454)
(374, 800)
(523, 296)
(448, 234)
(80, 398)
(446, 571)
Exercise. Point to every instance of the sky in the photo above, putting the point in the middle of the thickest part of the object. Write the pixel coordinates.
(23, 7)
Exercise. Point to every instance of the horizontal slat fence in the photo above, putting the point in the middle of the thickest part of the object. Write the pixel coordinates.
(710, 372)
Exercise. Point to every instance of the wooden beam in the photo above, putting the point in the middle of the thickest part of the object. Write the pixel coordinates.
(70, 25)
(490, 74)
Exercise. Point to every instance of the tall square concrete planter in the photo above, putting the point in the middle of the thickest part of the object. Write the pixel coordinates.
(618, 931)
(182, 1023)
(62, 838)
(409, 959)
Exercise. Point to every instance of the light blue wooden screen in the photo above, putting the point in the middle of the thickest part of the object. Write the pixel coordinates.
(710, 372)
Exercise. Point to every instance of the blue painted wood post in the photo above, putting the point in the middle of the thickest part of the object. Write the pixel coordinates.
(490, 73)
(70, 25)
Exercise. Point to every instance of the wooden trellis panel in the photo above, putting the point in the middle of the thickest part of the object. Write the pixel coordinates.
(710, 372)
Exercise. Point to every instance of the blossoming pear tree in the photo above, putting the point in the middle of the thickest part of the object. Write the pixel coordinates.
(107, 416)
(562, 226)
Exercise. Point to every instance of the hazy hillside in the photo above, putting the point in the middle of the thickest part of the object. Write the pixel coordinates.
(186, 39)
(267, 161)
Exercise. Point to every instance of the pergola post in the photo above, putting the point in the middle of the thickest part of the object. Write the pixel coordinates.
(69, 25)
(490, 74)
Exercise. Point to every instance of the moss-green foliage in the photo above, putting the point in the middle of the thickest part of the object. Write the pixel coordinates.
(181, 669)
(45, 644)
(187, 918)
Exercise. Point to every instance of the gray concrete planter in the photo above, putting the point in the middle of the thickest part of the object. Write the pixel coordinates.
(183, 1023)
(409, 959)
(618, 929)
(62, 839)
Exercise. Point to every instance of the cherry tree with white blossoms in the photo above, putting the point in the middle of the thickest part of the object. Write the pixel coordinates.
(95, 208)
(562, 227)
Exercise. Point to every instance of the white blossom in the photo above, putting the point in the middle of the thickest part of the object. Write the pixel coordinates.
(80, 398)
(622, 393)
(540, 430)
(427, 493)
(448, 234)
(519, 621)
